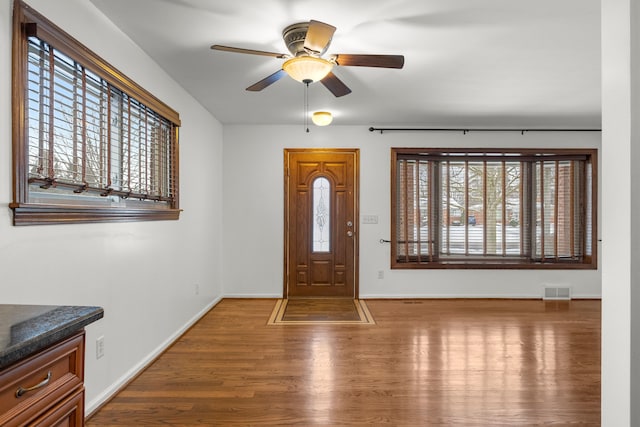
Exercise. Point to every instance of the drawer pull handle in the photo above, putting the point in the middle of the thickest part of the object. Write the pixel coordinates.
(20, 391)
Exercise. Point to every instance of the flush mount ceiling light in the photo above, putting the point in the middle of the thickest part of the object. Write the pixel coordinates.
(307, 68)
(322, 118)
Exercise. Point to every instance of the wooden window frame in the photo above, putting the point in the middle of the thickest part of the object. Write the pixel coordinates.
(431, 261)
(29, 23)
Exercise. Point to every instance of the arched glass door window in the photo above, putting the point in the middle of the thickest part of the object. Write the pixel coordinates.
(321, 215)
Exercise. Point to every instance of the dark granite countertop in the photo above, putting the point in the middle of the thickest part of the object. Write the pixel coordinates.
(26, 329)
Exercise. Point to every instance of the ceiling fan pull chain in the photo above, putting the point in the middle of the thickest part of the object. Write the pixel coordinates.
(306, 104)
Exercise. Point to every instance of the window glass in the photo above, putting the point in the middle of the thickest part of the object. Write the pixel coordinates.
(491, 209)
(92, 145)
(321, 215)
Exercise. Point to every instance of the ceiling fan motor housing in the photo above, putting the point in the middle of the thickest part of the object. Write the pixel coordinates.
(294, 36)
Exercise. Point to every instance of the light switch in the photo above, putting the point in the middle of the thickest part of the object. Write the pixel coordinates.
(369, 219)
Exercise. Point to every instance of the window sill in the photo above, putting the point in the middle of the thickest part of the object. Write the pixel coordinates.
(493, 265)
(25, 214)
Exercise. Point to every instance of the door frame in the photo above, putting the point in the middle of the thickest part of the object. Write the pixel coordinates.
(356, 211)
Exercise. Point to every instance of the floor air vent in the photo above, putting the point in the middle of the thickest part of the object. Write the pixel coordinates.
(555, 292)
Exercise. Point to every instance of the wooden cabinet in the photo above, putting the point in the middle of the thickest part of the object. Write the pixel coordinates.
(46, 388)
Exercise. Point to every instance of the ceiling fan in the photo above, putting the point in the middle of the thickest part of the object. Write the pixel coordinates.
(307, 42)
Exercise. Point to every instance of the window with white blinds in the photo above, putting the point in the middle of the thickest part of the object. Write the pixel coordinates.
(494, 208)
(91, 145)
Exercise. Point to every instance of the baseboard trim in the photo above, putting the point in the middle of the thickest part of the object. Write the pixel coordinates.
(428, 296)
(468, 296)
(253, 296)
(94, 405)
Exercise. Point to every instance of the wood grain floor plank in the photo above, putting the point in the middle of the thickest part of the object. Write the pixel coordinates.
(425, 362)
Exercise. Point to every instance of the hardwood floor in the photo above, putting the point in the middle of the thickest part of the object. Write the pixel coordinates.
(425, 362)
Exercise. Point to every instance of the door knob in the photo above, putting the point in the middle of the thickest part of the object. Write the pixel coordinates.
(350, 233)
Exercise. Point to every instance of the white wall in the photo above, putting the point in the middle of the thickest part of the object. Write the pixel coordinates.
(253, 213)
(620, 228)
(634, 158)
(143, 274)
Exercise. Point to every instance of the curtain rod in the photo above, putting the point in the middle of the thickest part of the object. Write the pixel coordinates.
(465, 130)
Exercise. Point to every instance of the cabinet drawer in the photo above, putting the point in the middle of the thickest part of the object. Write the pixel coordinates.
(56, 372)
(68, 413)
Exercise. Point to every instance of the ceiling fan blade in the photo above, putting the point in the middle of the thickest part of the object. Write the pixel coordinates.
(249, 51)
(382, 61)
(318, 37)
(335, 85)
(267, 81)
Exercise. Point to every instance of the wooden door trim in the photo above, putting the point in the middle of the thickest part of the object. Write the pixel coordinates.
(356, 213)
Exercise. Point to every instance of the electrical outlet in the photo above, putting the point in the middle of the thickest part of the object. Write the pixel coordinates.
(381, 274)
(100, 347)
(197, 289)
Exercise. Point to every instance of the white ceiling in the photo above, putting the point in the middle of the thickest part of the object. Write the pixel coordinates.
(468, 63)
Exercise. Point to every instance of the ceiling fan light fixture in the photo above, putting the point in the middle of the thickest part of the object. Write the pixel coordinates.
(322, 118)
(304, 68)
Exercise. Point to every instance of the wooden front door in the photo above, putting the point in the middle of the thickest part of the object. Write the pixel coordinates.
(321, 217)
